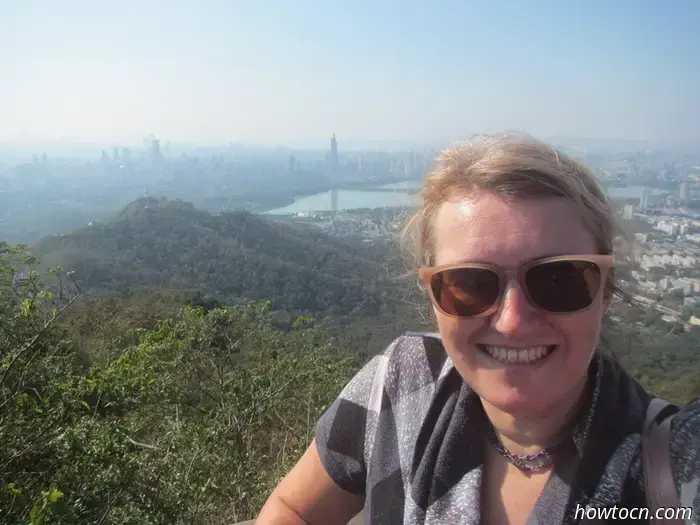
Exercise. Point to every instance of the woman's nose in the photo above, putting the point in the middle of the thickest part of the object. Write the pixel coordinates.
(515, 315)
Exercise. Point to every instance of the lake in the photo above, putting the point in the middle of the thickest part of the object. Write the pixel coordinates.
(353, 199)
(340, 200)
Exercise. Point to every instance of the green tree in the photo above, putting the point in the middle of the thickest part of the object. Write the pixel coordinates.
(36, 370)
(194, 420)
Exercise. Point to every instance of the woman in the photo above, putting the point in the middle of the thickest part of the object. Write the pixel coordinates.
(509, 414)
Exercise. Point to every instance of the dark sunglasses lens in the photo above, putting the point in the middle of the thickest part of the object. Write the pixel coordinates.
(563, 286)
(465, 291)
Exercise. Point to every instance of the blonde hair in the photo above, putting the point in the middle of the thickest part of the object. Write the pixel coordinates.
(513, 167)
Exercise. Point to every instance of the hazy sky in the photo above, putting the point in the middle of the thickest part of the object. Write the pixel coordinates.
(292, 71)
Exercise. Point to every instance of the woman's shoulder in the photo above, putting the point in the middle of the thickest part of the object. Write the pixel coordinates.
(389, 392)
(687, 420)
(412, 362)
(685, 453)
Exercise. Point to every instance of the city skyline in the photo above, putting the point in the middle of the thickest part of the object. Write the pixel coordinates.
(281, 73)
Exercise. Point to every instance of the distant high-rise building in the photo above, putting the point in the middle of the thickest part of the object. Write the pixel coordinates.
(670, 228)
(292, 163)
(628, 212)
(156, 155)
(115, 154)
(334, 152)
(644, 201)
(685, 192)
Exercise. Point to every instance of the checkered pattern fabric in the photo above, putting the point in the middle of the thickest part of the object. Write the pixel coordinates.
(407, 432)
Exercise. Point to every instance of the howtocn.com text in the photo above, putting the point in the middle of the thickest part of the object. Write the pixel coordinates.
(623, 513)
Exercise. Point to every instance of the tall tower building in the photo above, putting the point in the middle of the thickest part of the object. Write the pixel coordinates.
(155, 153)
(644, 201)
(155, 147)
(685, 192)
(334, 152)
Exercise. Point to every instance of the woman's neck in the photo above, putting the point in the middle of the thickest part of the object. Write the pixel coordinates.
(529, 434)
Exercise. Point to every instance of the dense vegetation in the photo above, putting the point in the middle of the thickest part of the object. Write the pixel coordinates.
(666, 361)
(237, 257)
(227, 256)
(166, 396)
(191, 421)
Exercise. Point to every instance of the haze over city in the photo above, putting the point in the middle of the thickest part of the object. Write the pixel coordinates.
(291, 73)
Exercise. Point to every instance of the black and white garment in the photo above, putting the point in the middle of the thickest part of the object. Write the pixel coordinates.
(407, 432)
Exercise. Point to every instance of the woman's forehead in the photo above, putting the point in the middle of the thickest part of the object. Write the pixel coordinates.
(508, 232)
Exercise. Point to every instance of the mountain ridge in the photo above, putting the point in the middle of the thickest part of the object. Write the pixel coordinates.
(231, 256)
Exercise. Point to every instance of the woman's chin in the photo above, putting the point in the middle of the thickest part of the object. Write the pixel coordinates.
(516, 388)
(513, 401)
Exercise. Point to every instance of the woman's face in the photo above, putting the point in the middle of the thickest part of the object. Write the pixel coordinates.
(485, 228)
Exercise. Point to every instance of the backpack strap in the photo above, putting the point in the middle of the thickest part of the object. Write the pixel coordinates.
(658, 475)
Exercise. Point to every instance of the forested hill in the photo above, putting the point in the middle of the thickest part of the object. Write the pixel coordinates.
(231, 257)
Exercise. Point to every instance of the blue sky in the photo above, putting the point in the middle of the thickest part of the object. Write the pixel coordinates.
(293, 72)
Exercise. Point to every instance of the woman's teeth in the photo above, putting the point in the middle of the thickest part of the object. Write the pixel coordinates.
(511, 356)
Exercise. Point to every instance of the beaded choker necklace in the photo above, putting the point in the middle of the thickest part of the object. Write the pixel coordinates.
(526, 462)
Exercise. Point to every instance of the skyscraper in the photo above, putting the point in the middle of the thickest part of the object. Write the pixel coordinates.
(155, 147)
(334, 152)
(644, 201)
(685, 193)
(156, 155)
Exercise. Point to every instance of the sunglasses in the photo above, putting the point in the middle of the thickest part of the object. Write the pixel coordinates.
(559, 285)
